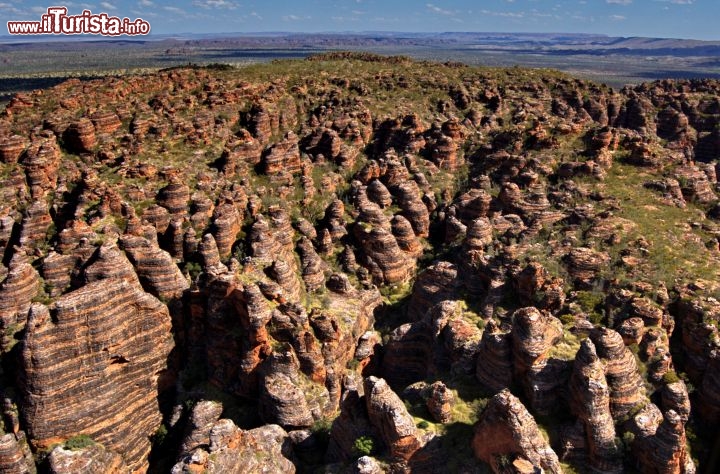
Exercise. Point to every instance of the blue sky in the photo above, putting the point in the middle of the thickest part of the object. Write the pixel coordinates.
(696, 19)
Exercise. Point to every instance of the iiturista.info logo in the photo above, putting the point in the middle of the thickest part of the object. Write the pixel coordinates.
(57, 22)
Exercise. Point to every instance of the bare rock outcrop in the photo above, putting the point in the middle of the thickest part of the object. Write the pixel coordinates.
(41, 162)
(236, 156)
(409, 198)
(283, 156)
(494, 367)
(439, 402)
(282, 401)
(437, 283)
(312, 266)
(665, 450)
(197, 433)
(407, 354)
(107, 262)
(93, 459)
(379, 194)
(709, 400)
(384, 258)
(231, 449)
(621, 371)
(103, 349)
(35, 225)
(155, 268)
(16, 293)
(472, 205)
(675, 397)
(590, 401)
(533, 336)
(15, 455)
(584, 264)
(506, 429)
(11, 148)
(390, 418)
(105, 121)
(226, 223)
(175, 197)
(80, 136)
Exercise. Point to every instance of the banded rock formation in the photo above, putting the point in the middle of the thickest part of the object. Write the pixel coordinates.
(505, 428)
(102, 348)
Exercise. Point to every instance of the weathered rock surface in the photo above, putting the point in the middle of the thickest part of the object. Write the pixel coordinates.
(103, 349)
(284, 156)
(390, 418)
(231, 449)
(505, 428)
(665, 449)
(94, 459)
(494, 367)
(437, 283)
(621, 371)
(533, 336)
(15, 456)
(11, 148)
(16, 293)
(282, 402)
(155, 268)
(590, 401)
(440, 401)
(202, 419)
(80, 136)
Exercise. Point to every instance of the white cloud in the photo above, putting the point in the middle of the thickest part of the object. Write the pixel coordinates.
(86, 6)
(215, 4)
(144, 14)
(146, 3)
(503, 14)
(618, 17)
(296, 18)
(9, 7)
(619, 2)
(108, 6)
(439, 10)
(176, 10)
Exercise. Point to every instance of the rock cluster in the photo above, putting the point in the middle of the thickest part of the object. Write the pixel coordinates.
(195, 245)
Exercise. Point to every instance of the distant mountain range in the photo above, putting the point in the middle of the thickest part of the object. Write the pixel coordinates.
(538, 42)
(616, 61)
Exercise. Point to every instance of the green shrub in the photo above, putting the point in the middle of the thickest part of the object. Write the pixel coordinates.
(628, 438)
(78, 442)
(423, 425)
(567, 319)
(670, 377)
(321, 430)
(193, 269)
(363, 446)
(159, 437)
